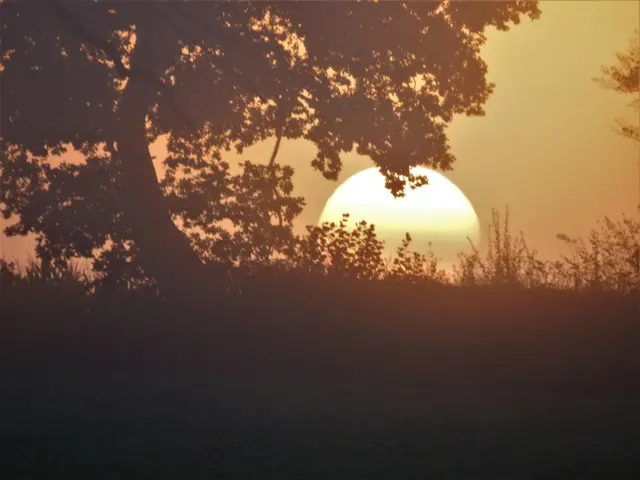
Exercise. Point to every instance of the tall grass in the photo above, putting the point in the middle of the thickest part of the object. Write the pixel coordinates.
(606, 261)
(39, 277)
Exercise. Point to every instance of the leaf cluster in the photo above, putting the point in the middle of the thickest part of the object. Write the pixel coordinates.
(383, 78)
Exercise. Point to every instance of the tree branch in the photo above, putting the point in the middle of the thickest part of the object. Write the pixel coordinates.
(276, 147)
(281, 118)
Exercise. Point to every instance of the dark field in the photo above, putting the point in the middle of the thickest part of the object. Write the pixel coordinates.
(338, 382)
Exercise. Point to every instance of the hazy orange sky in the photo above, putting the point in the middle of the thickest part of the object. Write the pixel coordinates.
(546, 146)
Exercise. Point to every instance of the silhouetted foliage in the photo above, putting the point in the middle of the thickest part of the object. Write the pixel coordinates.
(608, 260)
(108, 78)
(508, 260)
(233, 219)
(332, 249)
(624, 77)
(605, 262)
(415, 266)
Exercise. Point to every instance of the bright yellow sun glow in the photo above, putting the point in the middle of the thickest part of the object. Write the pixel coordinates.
(437, 213)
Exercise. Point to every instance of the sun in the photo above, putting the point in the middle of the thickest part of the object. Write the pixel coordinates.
(437, 213)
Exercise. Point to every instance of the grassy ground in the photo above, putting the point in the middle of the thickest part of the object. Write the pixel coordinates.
(452, 384)
(177, 427)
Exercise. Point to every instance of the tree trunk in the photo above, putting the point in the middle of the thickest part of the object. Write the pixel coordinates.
(164, 250)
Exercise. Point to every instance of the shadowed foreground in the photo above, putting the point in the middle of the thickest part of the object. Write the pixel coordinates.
(333, 382)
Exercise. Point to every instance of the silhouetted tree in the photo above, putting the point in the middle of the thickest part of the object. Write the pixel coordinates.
(108, 78)
(624, 77)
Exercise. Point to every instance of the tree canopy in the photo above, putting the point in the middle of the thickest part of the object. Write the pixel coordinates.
(108, 78)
